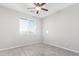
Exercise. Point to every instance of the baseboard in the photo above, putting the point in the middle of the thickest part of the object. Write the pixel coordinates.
(36, 42)
(26, 44)
(49, 43)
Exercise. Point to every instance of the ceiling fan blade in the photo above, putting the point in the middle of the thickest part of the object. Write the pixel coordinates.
(31, 8)
(42, 4)
(37, 12)
(36, 4)
(44, 9)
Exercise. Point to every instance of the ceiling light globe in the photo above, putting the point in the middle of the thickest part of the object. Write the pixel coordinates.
(38, 8)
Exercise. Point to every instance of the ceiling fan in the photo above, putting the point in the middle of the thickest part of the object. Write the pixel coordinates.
(38, 7)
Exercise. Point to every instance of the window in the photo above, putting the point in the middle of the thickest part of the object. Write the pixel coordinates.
(27, 25)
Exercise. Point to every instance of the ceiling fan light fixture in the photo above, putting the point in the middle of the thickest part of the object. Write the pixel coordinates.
(38, 8)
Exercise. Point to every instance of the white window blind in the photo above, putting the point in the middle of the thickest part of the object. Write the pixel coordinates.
(27, 25)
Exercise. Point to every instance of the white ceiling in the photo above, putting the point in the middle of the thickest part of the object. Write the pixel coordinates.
(22, 7)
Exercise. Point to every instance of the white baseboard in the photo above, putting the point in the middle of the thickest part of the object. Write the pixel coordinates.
(49, 43)
(36, 42)
(24, 44)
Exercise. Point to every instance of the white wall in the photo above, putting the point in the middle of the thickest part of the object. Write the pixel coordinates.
(9, 30)
(63, 28)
